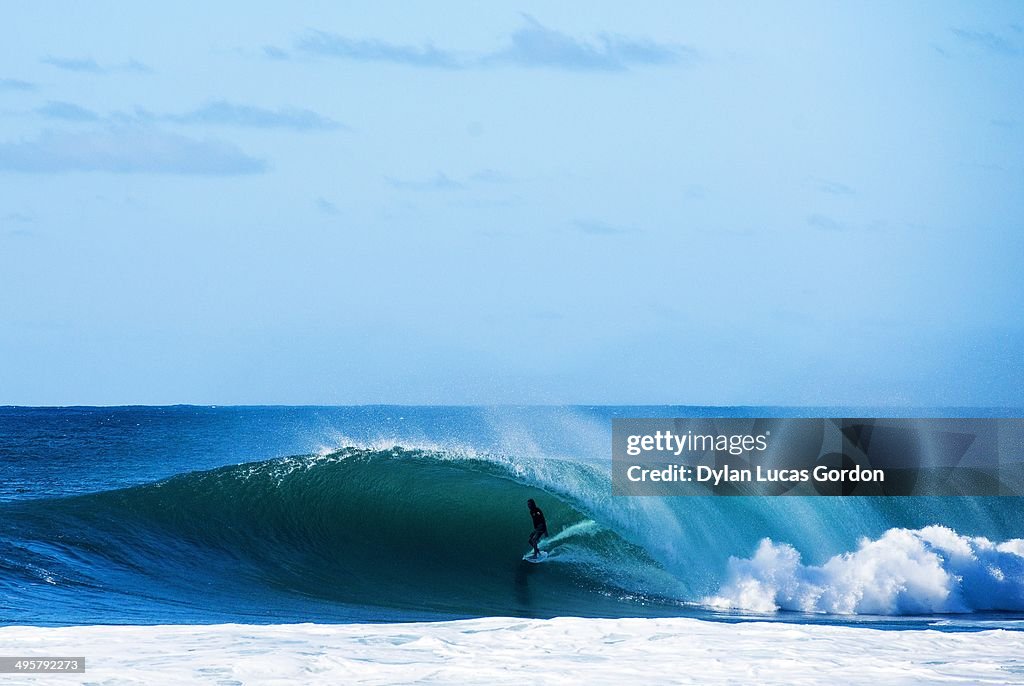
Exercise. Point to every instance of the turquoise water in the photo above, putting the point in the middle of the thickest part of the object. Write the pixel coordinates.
(198, 515)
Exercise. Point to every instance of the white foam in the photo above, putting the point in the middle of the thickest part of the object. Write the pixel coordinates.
(905, 571)
(515, 651)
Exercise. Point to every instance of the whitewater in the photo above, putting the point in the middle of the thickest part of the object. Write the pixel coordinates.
(513, 651)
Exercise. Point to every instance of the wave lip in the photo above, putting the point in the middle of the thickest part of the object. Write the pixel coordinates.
(932, 570)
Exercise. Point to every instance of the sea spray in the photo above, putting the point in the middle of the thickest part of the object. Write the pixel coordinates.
(921, 571)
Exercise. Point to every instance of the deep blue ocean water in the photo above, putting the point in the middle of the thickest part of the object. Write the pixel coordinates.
(189, 514)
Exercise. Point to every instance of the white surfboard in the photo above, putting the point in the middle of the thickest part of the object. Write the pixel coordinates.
(540, 558)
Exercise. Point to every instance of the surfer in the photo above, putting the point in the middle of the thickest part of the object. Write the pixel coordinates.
(540, 526)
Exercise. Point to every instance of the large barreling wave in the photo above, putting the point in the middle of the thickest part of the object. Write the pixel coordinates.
(357, 533)
(364, 534)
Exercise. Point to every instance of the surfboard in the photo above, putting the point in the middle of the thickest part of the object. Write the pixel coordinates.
(540, 558)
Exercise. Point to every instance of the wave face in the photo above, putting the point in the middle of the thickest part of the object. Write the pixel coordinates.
(370, 534)
(355, 534)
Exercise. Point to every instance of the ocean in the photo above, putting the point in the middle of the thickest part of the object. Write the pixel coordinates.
(193, 515)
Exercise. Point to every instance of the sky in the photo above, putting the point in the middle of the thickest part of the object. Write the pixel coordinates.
(797, 203)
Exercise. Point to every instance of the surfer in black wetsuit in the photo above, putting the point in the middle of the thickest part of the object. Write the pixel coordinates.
(540, 526)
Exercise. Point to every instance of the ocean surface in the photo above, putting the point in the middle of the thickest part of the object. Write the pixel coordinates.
(272, 515)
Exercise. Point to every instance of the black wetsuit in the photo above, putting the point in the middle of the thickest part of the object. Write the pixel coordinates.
(540, 526)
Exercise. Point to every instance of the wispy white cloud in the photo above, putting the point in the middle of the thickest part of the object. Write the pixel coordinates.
(989, 41)
(327, 44)
(535, 45)
(18, 233)
(825, 223)
(125, 151)
(16, 85)
(443, 182)
(327, 207)
(532, 45)
(20, 223)
(216, 113)
(231, 114)
(438, 182)
(87, 65)
(74, 64)
(489, 176)
(67, 111)
(599, 228)
(831, 187)
(273, 52)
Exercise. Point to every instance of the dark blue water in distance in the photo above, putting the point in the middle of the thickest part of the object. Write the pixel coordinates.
(156, 515)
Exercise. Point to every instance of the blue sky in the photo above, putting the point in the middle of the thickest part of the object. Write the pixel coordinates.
(715, 203)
